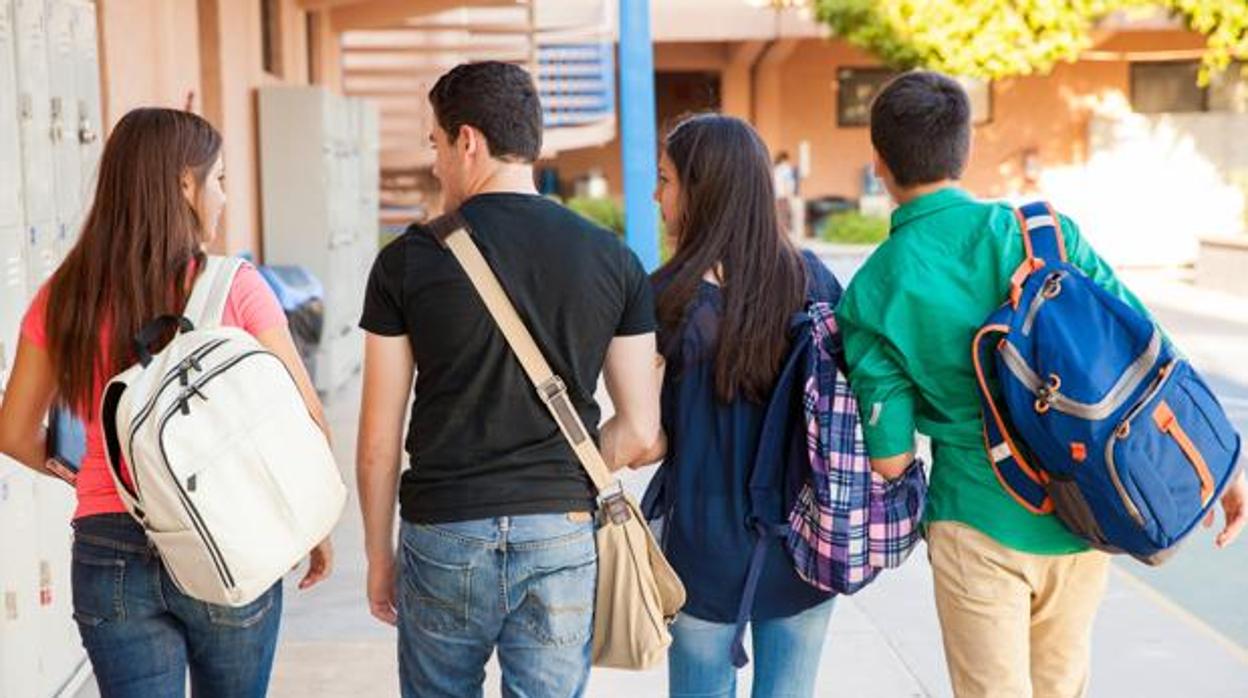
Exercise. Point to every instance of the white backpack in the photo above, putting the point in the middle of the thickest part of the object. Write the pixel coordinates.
(233, 480)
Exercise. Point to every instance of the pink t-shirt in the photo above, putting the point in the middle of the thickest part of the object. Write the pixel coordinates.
(251, 305)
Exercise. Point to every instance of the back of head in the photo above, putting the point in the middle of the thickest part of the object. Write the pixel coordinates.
(729, 222)
(136, 246)
(498, 99)
(921, 128)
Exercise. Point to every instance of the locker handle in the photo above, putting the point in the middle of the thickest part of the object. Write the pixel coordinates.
(58, 120)
(86, 134)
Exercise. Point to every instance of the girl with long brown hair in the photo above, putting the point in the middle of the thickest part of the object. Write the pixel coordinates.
(725, 301)
(157, 206)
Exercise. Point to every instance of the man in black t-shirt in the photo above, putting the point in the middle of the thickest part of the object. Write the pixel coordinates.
(496, 542)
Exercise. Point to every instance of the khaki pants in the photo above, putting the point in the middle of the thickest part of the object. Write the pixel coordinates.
(1015, 625)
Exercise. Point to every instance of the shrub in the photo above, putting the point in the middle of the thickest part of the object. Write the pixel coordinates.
(853, 228)
(605, 212)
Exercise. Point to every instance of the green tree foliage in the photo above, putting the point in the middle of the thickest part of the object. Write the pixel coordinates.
(1004, 38)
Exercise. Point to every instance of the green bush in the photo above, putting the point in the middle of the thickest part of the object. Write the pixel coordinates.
(609, 214)
(605, 212)
(853, 228)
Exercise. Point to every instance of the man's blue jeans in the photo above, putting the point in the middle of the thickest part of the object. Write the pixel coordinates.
(523, 584)
(785, 653)
(143, 635)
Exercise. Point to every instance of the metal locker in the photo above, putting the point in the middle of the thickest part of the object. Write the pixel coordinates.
(61, 651)
(12, 296)
(35, 129)
(10, 144)
(310, 188)
(89, 130)
(12, 219)
(59, 20)
(19, 630)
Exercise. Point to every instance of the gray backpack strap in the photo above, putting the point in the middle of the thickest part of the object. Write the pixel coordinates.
(206, 306)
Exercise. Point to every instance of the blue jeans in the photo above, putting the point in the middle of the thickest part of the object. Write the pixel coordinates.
(142, 634)
(785, 653)
(523, 584)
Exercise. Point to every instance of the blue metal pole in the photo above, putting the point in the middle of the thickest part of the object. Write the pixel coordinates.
(638, 132)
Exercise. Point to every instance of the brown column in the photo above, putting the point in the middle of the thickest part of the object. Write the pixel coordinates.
(768, 95)
(736, 86)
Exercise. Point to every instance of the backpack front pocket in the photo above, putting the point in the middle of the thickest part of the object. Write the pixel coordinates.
(1174, 459)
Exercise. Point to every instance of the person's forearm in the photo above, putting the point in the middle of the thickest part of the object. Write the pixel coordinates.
(30, 450)
(623, 445)
(378, 476)
(892, 467)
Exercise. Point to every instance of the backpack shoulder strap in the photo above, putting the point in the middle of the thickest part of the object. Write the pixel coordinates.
(206, 306)
(1042, 232)
(1043, 244)
(1027, 484)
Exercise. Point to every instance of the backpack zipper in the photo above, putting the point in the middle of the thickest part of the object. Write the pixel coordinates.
(197, 521)
(1121, 432)
(1113, 400)
(199, 353)
(1050, 290)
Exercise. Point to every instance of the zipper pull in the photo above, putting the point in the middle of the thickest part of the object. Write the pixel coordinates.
(194, 390)
(191, 483)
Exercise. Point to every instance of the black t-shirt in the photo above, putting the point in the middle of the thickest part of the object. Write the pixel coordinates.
(481, 442)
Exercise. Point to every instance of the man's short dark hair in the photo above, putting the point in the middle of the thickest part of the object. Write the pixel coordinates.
(498, 99)
(921, 127)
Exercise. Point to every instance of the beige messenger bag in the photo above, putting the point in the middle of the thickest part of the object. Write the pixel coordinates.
(638, 591)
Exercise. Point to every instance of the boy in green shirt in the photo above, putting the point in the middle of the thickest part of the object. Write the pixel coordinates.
(1016, 592)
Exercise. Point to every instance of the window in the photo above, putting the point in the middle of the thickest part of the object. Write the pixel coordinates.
(857, 87)
(1167, 87)
(1158, 88)
(271, 36)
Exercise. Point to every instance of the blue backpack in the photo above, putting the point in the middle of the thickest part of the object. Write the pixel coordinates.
(1098, 420)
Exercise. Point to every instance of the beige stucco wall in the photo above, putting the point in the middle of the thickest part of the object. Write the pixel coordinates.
(156, 52)
(149, 56)
(792, 98)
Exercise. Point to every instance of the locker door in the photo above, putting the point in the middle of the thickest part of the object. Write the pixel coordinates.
(63, 108)
(19, 630)
(12, 296)
(60, 647)
(90, 127)
(10, 145)
(12, 219)
(35, 129)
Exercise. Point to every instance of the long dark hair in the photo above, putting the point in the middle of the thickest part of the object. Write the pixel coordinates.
(133, 258)
(729, 223)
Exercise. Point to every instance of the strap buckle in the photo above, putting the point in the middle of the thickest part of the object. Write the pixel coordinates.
(551, 389)
(613, 506)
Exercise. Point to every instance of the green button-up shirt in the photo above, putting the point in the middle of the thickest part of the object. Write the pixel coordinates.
(908, 319)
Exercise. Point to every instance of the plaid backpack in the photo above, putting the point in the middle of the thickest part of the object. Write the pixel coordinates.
(848, 523)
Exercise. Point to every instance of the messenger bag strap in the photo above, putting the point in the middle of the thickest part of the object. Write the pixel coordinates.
(453, 233)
